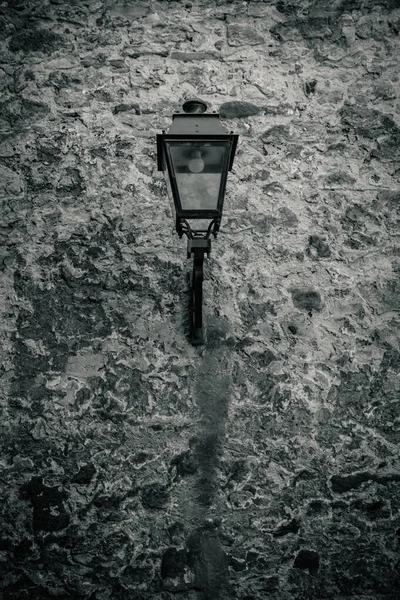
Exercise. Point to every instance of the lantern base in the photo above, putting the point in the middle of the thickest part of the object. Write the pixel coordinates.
(183, 227)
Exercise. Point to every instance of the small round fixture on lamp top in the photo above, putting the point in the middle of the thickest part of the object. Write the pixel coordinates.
(195, 155)
(194, 106)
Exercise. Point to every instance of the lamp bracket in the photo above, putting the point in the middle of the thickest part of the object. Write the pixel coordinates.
(198, 248)
(183, 227)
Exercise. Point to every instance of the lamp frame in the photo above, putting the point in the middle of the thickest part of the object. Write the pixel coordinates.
(163, 157)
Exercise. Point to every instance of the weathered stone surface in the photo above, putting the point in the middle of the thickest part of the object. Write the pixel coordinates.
(238, 110)
(278, 134)
(208, 562)
(49, 512)
(309, 29)
(175, 570)
(126, 107)
(11, 183)
(307, 559)
(185, 464)
(369, 123)
(339, 178)
(286, 528)
(155, 495)
(310, 87)
(35, 40)
(135, 465)
(84, 475)
(240, 34)
(307, 299)
(192, 56)
(16, 113)
(129, 11)
(318, 246)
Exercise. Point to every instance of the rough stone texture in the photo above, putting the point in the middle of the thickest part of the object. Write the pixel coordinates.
(238, 110)
(264, 464)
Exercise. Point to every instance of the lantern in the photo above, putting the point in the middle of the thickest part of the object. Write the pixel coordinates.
(195, 155)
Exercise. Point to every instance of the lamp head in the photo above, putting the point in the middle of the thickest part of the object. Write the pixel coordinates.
(196, 154)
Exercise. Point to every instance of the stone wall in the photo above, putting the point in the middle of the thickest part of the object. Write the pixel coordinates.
(264, 464)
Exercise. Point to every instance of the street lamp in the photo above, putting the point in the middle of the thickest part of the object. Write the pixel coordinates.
(195, 155)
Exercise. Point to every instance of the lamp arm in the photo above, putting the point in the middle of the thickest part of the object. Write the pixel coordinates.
(197, 299)
(197, 247)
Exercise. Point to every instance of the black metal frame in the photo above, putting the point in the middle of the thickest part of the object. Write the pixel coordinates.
(199, 244)
(164, 159)
(199, 248)
(179, 137)
(183, 227)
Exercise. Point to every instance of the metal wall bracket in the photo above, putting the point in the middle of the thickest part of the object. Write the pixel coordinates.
(183, 227)
(198, 248)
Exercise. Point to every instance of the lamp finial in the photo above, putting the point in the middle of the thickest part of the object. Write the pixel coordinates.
(194, 106)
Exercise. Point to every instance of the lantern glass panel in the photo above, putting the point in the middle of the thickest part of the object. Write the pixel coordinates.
(198, 169)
